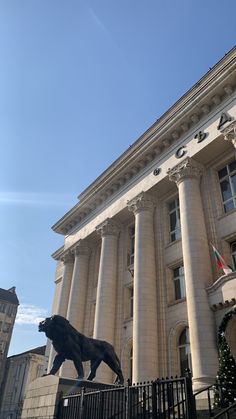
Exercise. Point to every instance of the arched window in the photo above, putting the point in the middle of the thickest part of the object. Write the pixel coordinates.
(184, 351)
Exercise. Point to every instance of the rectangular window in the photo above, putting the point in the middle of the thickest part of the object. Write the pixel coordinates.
(131, 246)
(179, 283)
(233, 253)
(131, 301)
(6, 327)
(174, 219)
(2, 346)
(2, 307)
(11, 311)
(227, 178)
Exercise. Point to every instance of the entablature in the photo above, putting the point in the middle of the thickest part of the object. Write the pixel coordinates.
(186, 114)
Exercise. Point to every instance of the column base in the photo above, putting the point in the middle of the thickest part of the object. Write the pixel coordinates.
(202, 382)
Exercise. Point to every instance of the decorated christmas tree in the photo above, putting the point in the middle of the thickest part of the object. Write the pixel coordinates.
(226, 378)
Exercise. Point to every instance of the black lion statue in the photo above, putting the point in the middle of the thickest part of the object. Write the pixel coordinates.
(71, 344)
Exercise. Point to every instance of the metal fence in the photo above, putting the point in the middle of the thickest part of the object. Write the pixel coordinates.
(160, 399)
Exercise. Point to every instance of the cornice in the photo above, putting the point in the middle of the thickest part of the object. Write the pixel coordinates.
(225, 304)
(58, 253)
(213, 88)
(220, 282)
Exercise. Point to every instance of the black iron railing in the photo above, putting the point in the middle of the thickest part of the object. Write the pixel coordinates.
(161, 399)
(228, 413)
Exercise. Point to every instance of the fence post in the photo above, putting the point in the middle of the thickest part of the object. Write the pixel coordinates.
(127, 399)
(154, 400)
(59, 406)
(190, 399)
(101, 404)
(81, 403)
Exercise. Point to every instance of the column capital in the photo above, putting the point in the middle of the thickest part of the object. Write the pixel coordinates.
(142, 202)
(229, 133)
(108, 228)
(67, 257)
(188, 168)
(81, 248)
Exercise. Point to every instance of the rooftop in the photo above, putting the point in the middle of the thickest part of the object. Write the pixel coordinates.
(40, 350)
(9, 295)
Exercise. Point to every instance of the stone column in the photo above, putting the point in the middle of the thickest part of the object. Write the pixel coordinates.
(77, 298)
(145, 348)
(68, 260)
(65, 285)
(198, 274)
(105, 312)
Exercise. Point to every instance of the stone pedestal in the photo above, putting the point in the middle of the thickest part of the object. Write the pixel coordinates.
(43, 395)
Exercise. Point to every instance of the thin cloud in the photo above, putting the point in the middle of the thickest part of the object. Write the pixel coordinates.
(30, 314)
(35, 199)
(98, 21)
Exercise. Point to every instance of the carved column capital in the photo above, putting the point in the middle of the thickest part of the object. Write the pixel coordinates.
(108, 228)
(81, 248)
(67, 257)
(229, 133)
(142, 202)
(188, 168)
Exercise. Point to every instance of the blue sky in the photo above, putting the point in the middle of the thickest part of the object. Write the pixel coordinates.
(79, 82)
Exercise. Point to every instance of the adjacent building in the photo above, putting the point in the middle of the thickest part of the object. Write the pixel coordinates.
(20, 370)
(137, 267)
(8, 309)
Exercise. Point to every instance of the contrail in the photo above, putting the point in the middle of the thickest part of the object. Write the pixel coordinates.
(36, 199)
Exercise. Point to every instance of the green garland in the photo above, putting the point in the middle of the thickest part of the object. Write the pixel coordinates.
(226, 378)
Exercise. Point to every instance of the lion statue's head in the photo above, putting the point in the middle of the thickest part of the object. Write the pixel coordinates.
(51, 325)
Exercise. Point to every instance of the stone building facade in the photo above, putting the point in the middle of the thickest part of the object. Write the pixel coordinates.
(8, 309)
(137, 268)
(21, 370)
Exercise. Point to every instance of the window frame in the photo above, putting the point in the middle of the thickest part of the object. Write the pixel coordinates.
(175, 234)
(187, 348)
(6, 328)
(227, 177)
(3, 307)
(2, 347)
(131, 364)
(131, 301)
(131, 246)
(233, 253)
(181, 281)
